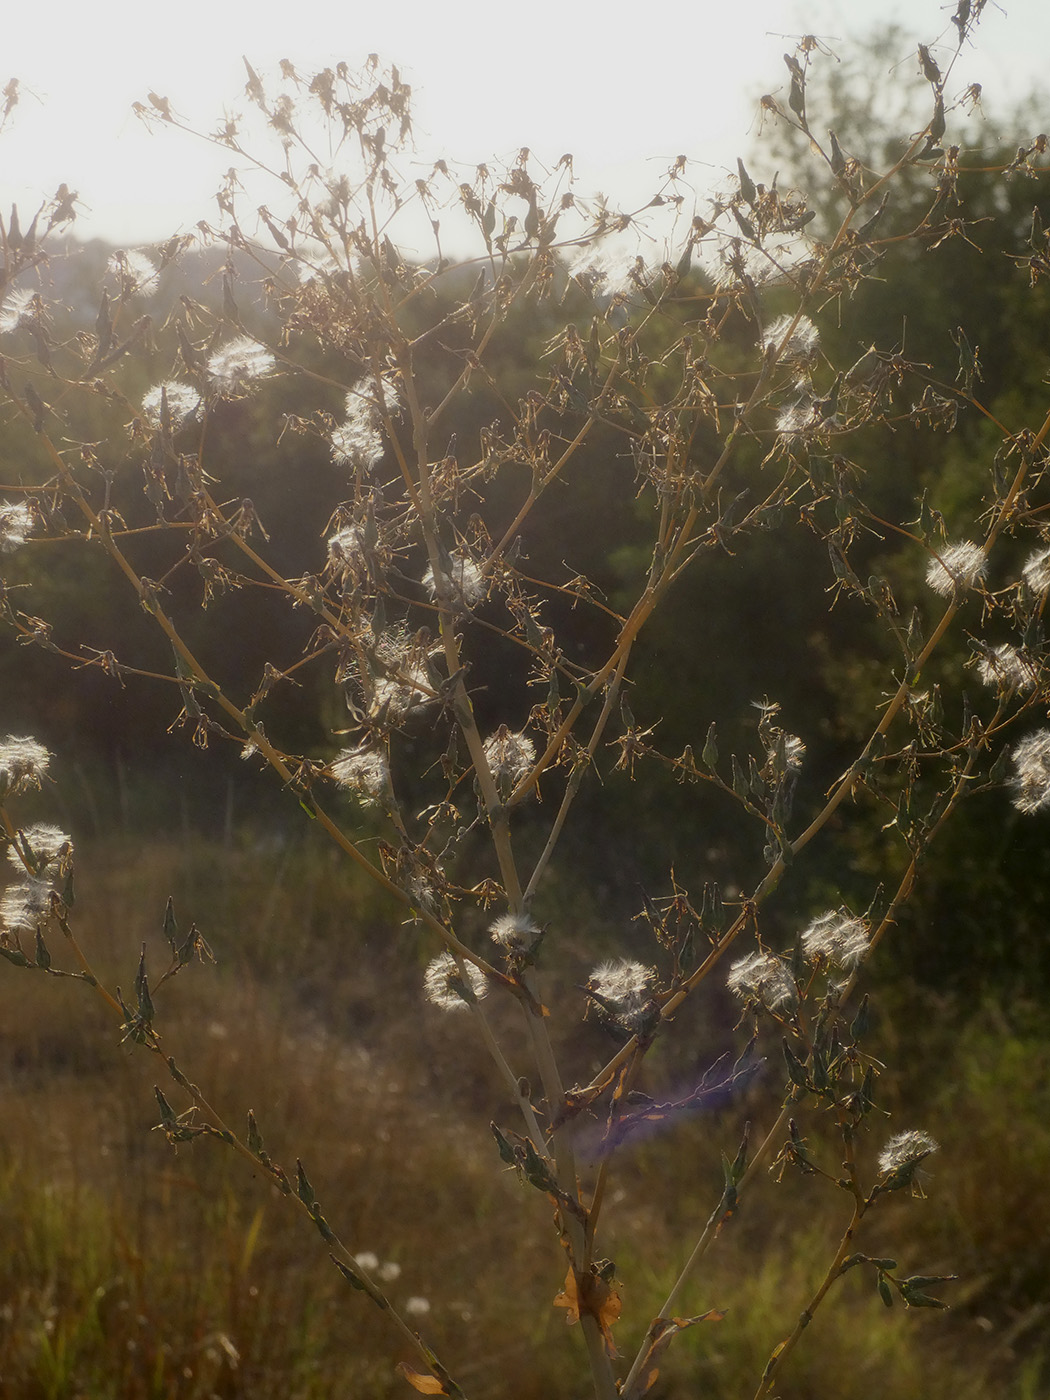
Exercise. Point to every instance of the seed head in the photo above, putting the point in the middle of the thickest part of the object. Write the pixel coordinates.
(346, 551)
(509, 755)
(359, 442)
(23, 765)
(443, 983)
(1006, 668)
(516, 934)
(1036, 572)
(802, 344)
(16, 522)
(25, 906)
(137, 272)
(234, 366)
(365, 770)
(1031, 776)
(465, 581)
(18, 308)
(625, 985)
(184, 403)
(763, 977)
(836, 938)
(902, 1156)
(51, 850)
(960, 566)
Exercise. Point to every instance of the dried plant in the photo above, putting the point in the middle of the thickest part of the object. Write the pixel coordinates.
(683, 345)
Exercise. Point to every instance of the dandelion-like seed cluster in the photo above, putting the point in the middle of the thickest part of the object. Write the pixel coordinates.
(358, 441)
(801, 345)
(465, 581)
(1030, 781)
(516, 934)
(16, 522)
(184, 403)
(794, 752)
(905, 1150)
(136, 271)
(606, 269)
(364, 770)
(17, 308)
(23, 765)
(623, 987)
(1007, 668)
(837, 938)
(235, 365)
(509, 756)
(44, 856)
(1036, 572)
(346, 551)
(443, 983)
(798, 418)
(763, 977)
(960, 567)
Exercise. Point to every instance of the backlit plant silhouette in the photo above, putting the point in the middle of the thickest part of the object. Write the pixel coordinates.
(683, 344)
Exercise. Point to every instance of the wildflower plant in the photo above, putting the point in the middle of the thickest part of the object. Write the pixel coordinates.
(684, 339)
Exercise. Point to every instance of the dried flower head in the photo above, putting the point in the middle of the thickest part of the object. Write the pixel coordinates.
(622, 985)
(800, 345)
(235, 365)
(1031, 776)
(18, 308)
(1036, 572)
(25, 906)
(364, 769)
(794, 751)
(1007, 668)
(836, 938)
(48, 848)
(902, 1156)
(23, 765)
(184, 403)
(960, 566)
(798, 418)
(346, 551)
(359, 441)
(607, 268)
(444, 984)
(465, 581)
(763, 977)
(16, 522)
(516, 934)
(137, 272)
(509, 756)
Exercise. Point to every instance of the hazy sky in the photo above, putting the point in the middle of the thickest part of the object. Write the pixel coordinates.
(617, 84)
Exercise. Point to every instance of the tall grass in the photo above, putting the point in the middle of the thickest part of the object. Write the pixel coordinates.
(130, 1272)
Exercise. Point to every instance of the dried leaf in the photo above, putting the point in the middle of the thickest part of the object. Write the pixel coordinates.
(595, 1295)
(419, 1380)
